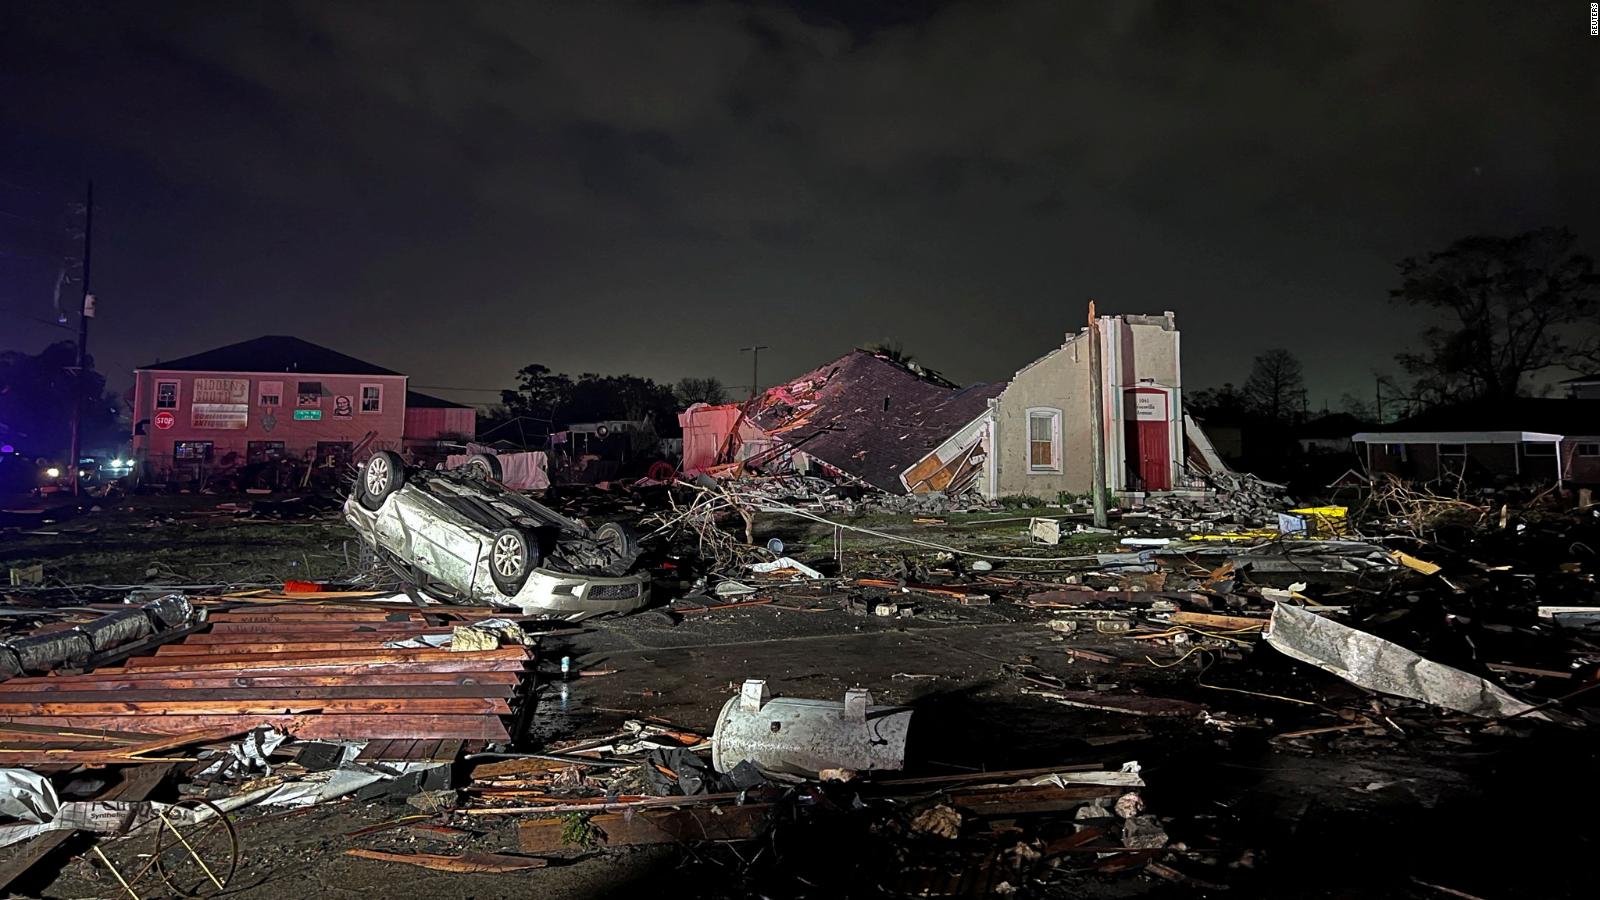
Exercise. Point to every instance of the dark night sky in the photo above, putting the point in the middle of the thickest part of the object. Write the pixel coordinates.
(457, 189)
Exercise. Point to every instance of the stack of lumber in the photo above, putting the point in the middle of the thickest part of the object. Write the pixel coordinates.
(317, 670)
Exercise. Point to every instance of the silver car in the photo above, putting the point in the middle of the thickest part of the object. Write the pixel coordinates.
(486, 543)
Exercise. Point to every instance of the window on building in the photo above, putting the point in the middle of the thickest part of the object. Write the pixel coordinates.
(1538, 449)
(1589, 448)
(270, 393)
(1458, 451)
(263, 451)
(191, 451)
(309, 395)
(166, 395)
(371, 398)
(335, 453)
(1044, 440)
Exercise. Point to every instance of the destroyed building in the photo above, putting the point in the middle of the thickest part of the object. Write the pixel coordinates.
(1523, 439)
(1034, 437)
(904, 429)
(863, 419)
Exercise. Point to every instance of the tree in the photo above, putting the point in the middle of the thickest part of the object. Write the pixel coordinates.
(552, 400)
(891, 349)
(1276, 388)
(37, 394)
(1224, 404)
(690, 391)
(1512, 307)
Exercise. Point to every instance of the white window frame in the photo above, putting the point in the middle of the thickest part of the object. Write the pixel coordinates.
(361, 400)
(322, 389)
(265, 389)
(1527, 447)
(1459, 453)
(177, 393)
(1054, 415)
(1587, 449)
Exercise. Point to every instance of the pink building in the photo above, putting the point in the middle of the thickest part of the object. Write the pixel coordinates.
(274, 397)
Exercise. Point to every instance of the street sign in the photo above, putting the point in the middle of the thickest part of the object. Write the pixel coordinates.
(165, 419)
(307, 415)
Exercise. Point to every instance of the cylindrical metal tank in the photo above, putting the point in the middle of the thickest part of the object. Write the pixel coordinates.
(803, 737)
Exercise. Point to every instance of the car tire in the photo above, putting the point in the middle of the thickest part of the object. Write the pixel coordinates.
(622, 542)
(512, 558)
(484, 465)
(381, 475)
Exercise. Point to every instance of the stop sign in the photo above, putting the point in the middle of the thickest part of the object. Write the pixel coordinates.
(165, 420)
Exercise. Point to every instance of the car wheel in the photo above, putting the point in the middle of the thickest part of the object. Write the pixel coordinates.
(484, 465)
(382, 475)
(619, 542)
(511, 559)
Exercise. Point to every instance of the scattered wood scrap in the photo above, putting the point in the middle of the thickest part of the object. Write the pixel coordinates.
(464, 863)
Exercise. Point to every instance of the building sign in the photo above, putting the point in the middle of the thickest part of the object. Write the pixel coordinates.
(220, 416)
(222, 391)
(1150, 406)
(165, 420)
(342, 406)
(307, 415)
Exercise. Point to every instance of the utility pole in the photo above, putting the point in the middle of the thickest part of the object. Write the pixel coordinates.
(85, 312)
(1097, 422)
(1380, 399)
(755, 365)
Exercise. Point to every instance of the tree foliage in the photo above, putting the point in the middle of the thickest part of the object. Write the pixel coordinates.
(1276, 388)
(557, 400)
(1510, 307)
(690, 391)
(1224, 404)
(891, 349)
(37, 393)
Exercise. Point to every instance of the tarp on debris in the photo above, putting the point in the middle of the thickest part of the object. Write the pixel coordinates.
(1373, 663)
(528, 471)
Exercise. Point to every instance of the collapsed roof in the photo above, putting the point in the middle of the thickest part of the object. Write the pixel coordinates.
(867, 415)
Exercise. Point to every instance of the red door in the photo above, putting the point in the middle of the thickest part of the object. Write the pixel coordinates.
(1148, 449)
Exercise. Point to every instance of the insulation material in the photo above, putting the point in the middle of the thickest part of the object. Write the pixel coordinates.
(1373, 663)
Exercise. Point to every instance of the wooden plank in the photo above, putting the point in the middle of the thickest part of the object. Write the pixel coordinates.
(207, 707)
(1213, 621)
(257, 648)
(398, 681)
(312, 633)
(466, 863)
(311, 726)
(1026, 800)
(138, 783)
(353, 690)
(652, 826)
(312, 658)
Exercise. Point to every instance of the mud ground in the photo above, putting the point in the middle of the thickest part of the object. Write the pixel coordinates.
(1486, 816)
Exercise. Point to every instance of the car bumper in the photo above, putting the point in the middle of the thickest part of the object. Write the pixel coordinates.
(559, 595)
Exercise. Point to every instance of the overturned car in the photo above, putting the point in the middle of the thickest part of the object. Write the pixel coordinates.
(481, 542)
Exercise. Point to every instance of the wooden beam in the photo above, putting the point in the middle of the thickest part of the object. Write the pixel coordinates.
(262, 647)
(655, 826)
(353, 690)
(206, 707)
(259, 679)
(312, 726)
(313, 658)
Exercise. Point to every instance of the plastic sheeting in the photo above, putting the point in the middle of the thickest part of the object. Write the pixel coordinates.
(1373, 663)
